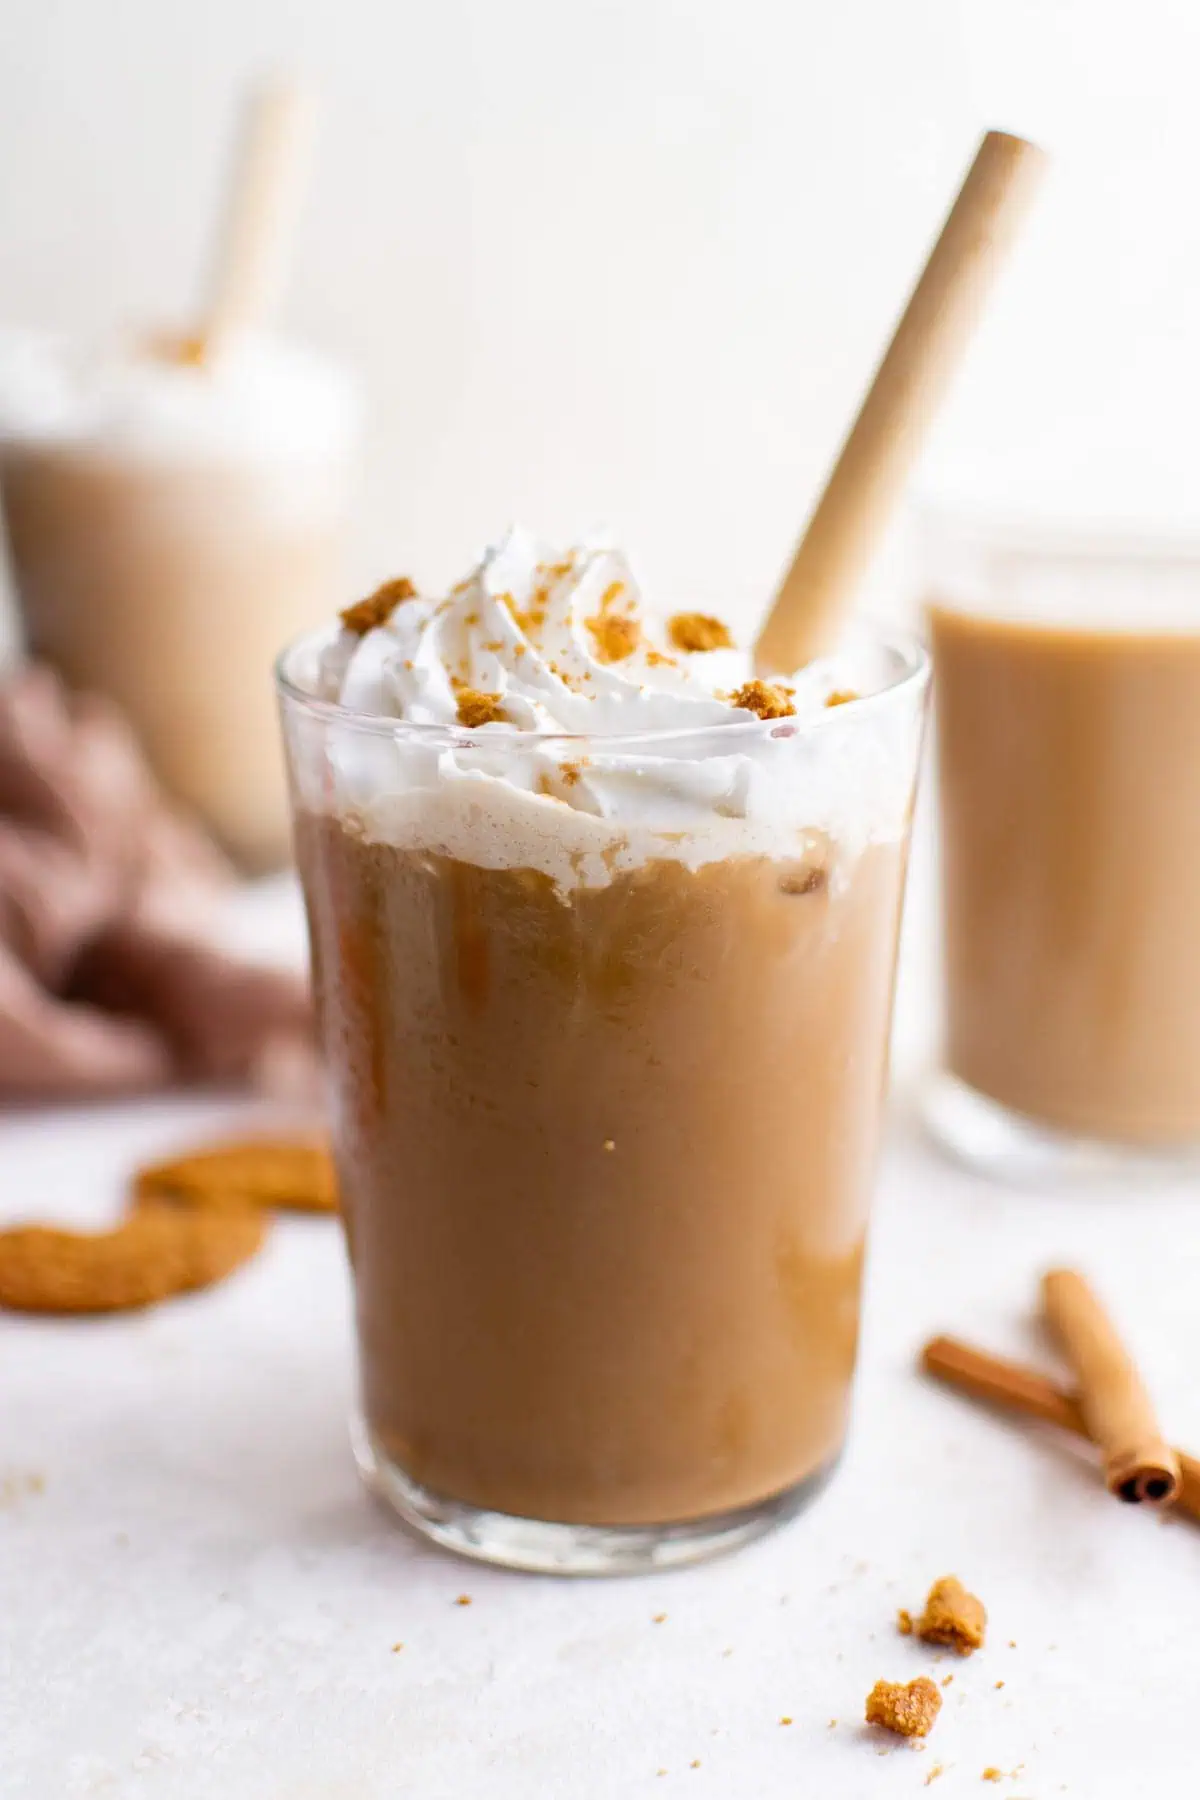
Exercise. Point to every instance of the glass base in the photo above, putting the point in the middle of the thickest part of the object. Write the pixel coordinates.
(992, 1140)
(542, 1548)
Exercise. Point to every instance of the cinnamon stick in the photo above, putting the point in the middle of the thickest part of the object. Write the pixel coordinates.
(1139, 1464)
(1027, 1391)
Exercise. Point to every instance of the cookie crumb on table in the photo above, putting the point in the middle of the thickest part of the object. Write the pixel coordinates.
(12, 1487)
(952, 1617)
(908, 1708)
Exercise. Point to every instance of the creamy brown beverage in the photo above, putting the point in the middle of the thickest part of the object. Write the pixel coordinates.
(606, 1019)
(168, 525)
(1069, 767)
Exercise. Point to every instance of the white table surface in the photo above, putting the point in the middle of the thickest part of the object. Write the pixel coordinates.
(198, 1599)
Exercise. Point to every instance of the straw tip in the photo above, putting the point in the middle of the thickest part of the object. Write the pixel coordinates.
(1013, 147)
(286, 79)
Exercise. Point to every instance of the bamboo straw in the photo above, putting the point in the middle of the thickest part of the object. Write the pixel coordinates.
(261, 208)
(885, 439)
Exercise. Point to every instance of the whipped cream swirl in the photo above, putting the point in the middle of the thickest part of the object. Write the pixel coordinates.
(561, 643)
(564, 641)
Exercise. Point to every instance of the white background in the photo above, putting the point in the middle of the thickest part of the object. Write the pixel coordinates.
(631, 260)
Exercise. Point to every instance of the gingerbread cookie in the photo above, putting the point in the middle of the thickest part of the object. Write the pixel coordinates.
(153, 1253)
(256, 1172)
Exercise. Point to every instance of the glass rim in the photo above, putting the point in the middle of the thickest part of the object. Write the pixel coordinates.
(912, 675)
(1054, 536)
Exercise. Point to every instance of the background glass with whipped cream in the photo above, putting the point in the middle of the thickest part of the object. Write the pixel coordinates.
(168, 525)
(604, 986)
(1067, 669)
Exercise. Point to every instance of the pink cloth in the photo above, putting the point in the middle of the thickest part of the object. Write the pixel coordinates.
(109, 981)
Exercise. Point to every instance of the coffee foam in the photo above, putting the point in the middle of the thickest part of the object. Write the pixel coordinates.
(1066, 577)
(496, 823)
(263, 398)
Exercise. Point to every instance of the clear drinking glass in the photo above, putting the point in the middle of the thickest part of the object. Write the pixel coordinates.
(605, 1103)
(1067, 671)
(169, 525)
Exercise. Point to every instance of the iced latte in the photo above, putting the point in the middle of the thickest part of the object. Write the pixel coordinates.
(603, 935)
(168, 524)
(1069, 765)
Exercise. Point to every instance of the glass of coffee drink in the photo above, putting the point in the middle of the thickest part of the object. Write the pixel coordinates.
(603, 936)
(1068, 682)
(169, 524)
